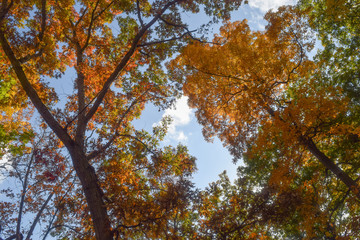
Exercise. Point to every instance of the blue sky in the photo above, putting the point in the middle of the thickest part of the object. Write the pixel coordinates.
(212, 158)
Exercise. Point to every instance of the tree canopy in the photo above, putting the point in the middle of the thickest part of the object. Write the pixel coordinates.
(117, 73)
(287, 116)
(87, 173)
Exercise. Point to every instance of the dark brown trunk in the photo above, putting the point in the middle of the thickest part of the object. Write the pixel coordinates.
(84, 170)
(309, 144)
(329, 164)
(93, 195)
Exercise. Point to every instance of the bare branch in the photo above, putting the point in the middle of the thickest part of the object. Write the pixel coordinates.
(23, 193)
(57, 209)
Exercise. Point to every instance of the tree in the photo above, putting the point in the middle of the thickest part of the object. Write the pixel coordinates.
(148, 197)
(336, 24)
(116, 75)
(44, 183)
(232, 211)
(273, 107)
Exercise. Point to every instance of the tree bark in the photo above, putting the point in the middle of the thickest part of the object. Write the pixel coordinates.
(75, 145)
(84, 170)
(309, 144)
(329, 164)
(93, 194)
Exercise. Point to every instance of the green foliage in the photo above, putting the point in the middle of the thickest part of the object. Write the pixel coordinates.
(337, 25)
(290, 118)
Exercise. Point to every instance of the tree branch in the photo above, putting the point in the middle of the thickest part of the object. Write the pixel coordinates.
(92, 19)
(328, 163)
(81, 17)
(32, 94)
(5, 7)
(125, 60)
(67, 226)
(38, 215)
(23, 193)
(309, 144)
(166, 40)
(57, 209)
(95, 153)
(139, 13)
(41, 35)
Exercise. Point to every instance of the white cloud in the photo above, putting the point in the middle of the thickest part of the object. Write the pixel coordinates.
(266, 5)
(181, 116)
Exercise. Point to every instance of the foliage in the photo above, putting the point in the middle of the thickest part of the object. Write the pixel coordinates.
(115, 50)
(275, 108)
(292, 120)
(36, 181)
(337, 26)
(146, 192)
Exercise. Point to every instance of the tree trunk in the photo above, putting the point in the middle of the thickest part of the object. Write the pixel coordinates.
(329, 164)
(93, 194)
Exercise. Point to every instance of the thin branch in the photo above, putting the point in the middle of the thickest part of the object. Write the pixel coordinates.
(187, 31)
(23, 193)
(104, 9)
(139, 13)
(38, 215)
(31, 56)
(125, 60)
(174, 24)
(80, 112)
(40, 36)
(67, 226)
(110, 142)
(138, 140)
(166, 40)
(57, 209)
(339, 203)
(301, 56)
(140, 223)
(81, 17)
(92, 19)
